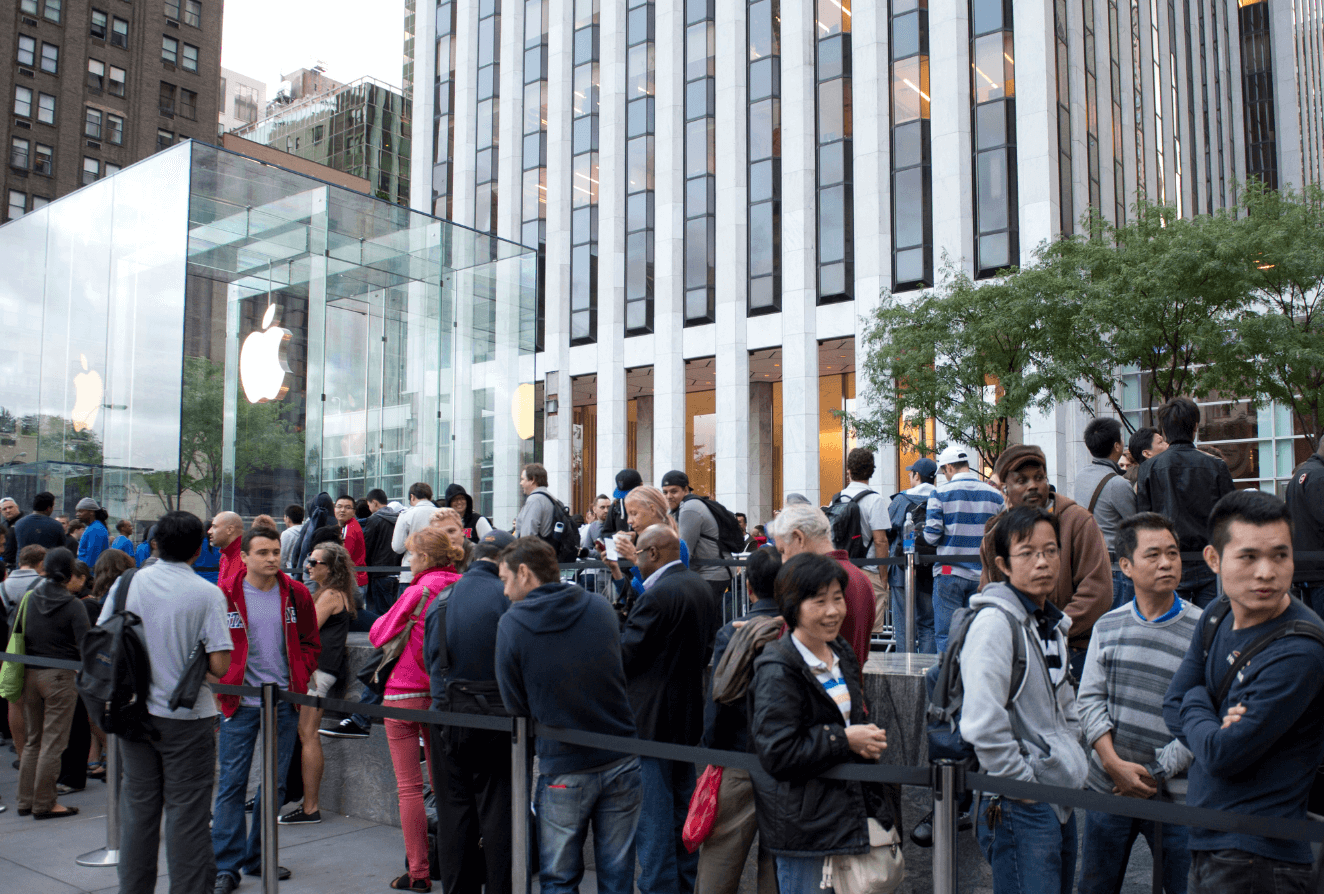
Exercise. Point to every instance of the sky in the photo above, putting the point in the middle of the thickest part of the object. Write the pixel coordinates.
(351, 38)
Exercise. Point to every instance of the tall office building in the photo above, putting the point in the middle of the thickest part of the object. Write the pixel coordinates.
(94, 87)
(721, 189)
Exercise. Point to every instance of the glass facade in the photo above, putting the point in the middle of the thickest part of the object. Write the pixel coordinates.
(1156, 79)
(1138, 98)
(584, 176)
(488, 120)
(362, 128)
(993, 108)
(247, 337)
(1062, 47)
(1257, 92)
(1115, 91)
(836, 199)
(1088, 10)
(700, 162)
(912, 175)
(443, 118)
(764, 26)
(533, 211)
(640, 71)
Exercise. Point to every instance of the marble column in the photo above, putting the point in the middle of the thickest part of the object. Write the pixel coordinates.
(761, 454)
(643, 421)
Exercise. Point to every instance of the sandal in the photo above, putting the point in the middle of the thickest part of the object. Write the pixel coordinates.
(408, 883)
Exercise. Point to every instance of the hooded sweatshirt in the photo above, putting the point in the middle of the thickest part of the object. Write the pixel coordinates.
(321, 512)
(1038, 739)
(475, 526)
(55, 622)
(558, 660)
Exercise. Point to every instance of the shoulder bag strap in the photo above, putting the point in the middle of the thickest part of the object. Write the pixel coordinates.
(122, 589)
(1292, 628)
(1099, 490)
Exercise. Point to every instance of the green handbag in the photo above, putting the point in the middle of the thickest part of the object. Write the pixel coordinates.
(11, 672)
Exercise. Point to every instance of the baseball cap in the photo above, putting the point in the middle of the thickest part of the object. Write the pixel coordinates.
(493, 543)
(953, 453)
(923, 467)
(675, 478)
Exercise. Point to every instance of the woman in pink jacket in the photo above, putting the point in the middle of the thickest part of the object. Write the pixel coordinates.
(432, 560)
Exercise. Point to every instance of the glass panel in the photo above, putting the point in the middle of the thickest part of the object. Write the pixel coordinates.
(760, 181)
(990, 125)
(699, 136)
(763, 123)
(993, 190)
(761, 41)
(989, 69)
(909, 89)
(831, 225)
(832, 163)
(908, 199)
(909, 265)
(993, 252)
(760, 239)
(907, 145)
(905, 35)
(834, 121)
(987, 16)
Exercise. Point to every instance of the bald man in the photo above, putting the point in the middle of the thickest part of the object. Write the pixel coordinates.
(226, 534)
(666, 644)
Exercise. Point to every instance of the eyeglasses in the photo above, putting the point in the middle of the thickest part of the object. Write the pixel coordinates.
(1048, 553)
(313, 563)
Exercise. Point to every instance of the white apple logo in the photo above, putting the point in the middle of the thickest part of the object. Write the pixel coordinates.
(87, 397)
(262, 363)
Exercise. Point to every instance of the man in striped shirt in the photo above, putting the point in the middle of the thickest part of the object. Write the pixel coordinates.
(1134, 652)
(954, 523)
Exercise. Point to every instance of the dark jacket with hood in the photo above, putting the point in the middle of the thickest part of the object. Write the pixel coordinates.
(797, 733)
(626, 481)
(321, 512)
(469, 517)
(377, 531)
(558, 660)
(55, 622)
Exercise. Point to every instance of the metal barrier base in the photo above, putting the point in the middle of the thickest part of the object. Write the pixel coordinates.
(102, 857)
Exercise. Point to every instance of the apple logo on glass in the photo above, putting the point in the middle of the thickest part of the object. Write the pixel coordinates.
(87, 397)
(262, 362)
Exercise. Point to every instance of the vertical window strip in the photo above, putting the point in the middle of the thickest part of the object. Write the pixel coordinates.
(763, 33)
(1160, 171)
(993, 113)
(1257, 93)
(487, 122)
(700, 163)
(912, 174)
(1190, 106)
(640, 72)
(584, 176)
(1177, 161)
(1204, 110)
(443, 120)
(1088, 12)
(832, 71)
(1218, 98)
(1115, 92)
(1066, 203)
(1138, 96)
(533, 209)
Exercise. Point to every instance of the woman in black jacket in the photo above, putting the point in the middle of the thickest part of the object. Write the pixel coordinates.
(807, 715)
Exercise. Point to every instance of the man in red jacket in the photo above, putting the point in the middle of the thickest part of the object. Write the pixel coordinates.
(274, 629)
(225, 533)
(351, 534)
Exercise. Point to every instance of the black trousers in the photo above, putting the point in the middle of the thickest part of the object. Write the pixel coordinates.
(471, 779)
(73, 761)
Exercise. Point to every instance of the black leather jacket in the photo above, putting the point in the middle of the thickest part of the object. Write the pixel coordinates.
(797, 733)
(1183, 484)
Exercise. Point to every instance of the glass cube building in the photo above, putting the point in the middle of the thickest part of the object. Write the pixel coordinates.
(206, 332)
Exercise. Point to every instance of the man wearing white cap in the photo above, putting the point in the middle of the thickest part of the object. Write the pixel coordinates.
(957, 511)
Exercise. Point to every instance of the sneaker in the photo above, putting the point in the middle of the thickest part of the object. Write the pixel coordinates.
(346, 729)
(297, 817)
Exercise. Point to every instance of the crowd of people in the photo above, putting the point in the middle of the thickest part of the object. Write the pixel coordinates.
(1091, 651)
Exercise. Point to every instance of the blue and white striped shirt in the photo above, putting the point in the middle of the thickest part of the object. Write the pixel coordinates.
(955, 519)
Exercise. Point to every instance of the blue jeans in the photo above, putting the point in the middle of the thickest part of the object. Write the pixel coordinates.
(610, 798)
(1029, 850)
(665, 865)
(1199, 586)
(949, 593)
(235, 747)
(799, 875)
(1124, 590)
(1107, 849)
(924, 636)
(1219, 872)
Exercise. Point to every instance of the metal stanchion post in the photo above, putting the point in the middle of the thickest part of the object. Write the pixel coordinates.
(110, 854)
(519, 806)
(270, 844)
(910, 601)
(946, 794)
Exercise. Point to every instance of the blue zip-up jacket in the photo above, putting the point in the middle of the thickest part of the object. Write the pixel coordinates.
(94, 542)
(955, 519)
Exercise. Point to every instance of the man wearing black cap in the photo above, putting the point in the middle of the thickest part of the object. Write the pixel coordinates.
(626, 481)
(698, 529)
(470, 767)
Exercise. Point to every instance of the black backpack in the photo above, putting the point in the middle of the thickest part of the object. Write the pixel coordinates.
(844, 515)
(117, 671)
(565, 537)
(729, 538)
(946, 691)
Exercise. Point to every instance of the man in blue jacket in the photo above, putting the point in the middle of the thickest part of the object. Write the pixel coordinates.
(558, 661)
(1257, 750)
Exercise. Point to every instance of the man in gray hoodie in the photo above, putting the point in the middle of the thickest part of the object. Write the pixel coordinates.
(1032, 734)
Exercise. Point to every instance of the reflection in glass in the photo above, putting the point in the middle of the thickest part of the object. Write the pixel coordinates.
(763, 147)
(639, 161)
(912, 212)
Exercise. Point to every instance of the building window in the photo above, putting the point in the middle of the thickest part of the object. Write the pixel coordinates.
(188, 106)
(533, 213)
(1156, 83)
(29, 7)
(91, 170)
(993, 109)
(319, 130)
(119, 35)
(108, 169)
(190, 58)
(1138, 98)
(96, 75)
(764, 142)
(50, 58)
(245, 103)
(166, 104)
(23, 101)
(1257, 93)
(18, 205)
(443, 120)
(27, 50)
(100, 24)
(172, 9)
(117, 78)
(164, 139)
(45, 107)
(912, 173)
(584, 177)
(639, 169)
(43, 161)
(39, 202)
(836, 243)
(700, 162)
(19, 152)
(92, 124)
(114, 129)
(169, 50)
(488, 119)
(52, 10)
(193, 13)
(1066, 208)
(1115, 74)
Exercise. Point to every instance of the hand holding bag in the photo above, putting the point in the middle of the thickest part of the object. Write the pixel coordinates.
(703, 809)
(12, 674)
(878, 872)
(377, 671)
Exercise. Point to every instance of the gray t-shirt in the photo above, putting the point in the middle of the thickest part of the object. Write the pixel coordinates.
(699, 530)
(873, 515)
(178, 609)
(536, 517)
(267, 661)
